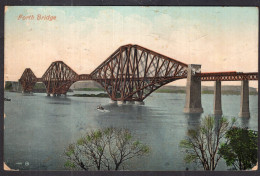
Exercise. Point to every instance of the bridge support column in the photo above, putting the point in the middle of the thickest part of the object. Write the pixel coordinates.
(130, 102)
(244, 105)
(193, 91)
(120, 102)
(112, 101)
(217, 98)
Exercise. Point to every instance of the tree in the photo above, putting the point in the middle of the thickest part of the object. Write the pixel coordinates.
(202, 143)
(106, 149)
(8, 85)
(240, 149)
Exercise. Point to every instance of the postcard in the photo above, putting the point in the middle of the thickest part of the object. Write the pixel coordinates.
(133, 88)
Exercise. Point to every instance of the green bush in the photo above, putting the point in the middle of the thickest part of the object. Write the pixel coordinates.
(8, 85)
(240, 150)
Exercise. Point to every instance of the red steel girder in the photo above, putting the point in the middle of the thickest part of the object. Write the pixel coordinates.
(84, 77)
(28, 80)
(227, 76)
(130, 73)
(58, 78)
(133, 72)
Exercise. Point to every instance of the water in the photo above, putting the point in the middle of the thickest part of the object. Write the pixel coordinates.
(38, 128)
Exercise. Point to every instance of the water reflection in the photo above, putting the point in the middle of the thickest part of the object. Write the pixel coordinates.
(37, 122)
(217, 122)
(244, 122)
(138, 113)
(149, 126)
(193, 120)
(58, 100)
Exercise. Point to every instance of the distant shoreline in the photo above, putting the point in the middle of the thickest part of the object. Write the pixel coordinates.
(101, 95)
(157, 91)
(93, 86)
(227, 92)
(89, 89)
(165, 90)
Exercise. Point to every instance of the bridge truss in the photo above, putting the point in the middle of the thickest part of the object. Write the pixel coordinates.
(58, 78)
(131, 73)
(28, 80)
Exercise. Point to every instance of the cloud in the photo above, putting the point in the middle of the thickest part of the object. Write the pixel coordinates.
(85, 42)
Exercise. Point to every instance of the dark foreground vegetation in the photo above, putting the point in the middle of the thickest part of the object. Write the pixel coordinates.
(216, 138)
(104, 149)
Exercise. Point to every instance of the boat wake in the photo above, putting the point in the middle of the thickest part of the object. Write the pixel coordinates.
(103, 110)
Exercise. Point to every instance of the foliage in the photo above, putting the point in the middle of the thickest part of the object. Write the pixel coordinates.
(202, 143)
(240, 150)
(8, 85)
(106, 149)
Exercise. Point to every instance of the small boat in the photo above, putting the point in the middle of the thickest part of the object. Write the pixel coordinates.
(100, 108)
(7, 99)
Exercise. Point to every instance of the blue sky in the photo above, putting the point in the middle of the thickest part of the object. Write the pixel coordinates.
(223, 37)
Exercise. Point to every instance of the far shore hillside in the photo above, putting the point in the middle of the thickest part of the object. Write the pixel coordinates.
(94, 86)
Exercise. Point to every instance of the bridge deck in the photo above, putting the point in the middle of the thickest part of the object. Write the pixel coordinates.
(227, 76)
(217, 76)
(132, 72)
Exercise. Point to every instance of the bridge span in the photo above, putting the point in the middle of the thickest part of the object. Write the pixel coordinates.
(133, 72)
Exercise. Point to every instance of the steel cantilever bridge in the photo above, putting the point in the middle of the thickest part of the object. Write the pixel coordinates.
(131, 73)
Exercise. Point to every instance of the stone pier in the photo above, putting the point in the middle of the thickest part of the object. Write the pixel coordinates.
(193, 91)
(120, 102)
(217, 98)
(112, 101)
(27, 93)
(129, 102)
(139, 102)
(244, 104)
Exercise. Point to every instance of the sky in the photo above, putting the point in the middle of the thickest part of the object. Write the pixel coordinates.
(218, 38)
